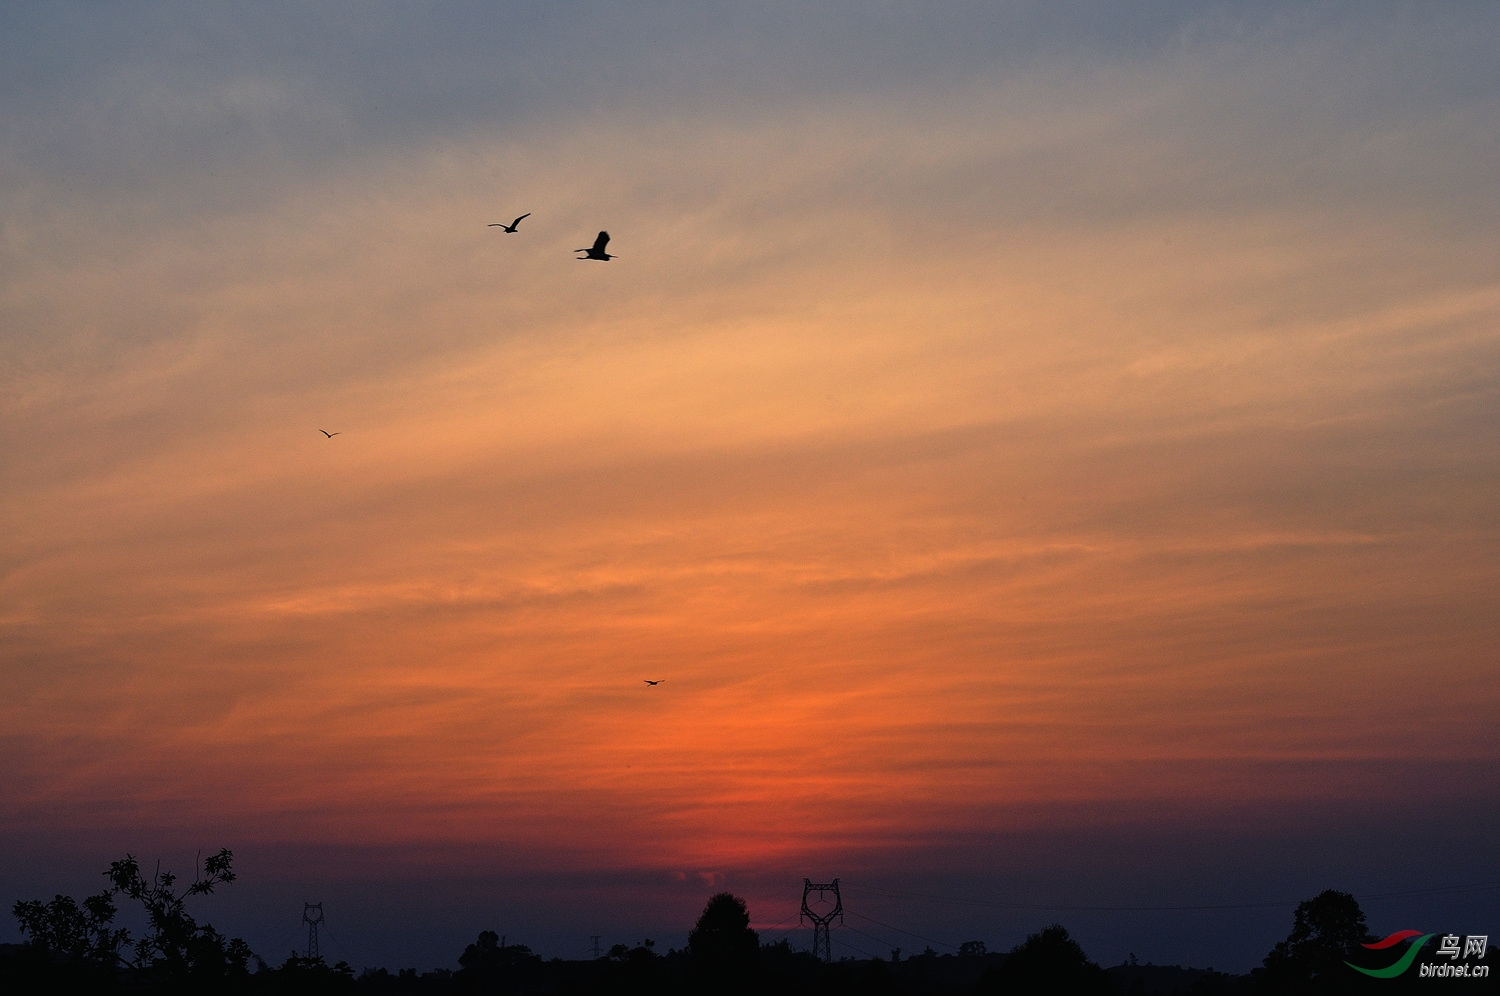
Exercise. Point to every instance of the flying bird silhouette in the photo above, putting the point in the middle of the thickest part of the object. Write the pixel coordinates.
(658, 681)
(330, 435)
(508, 228)
(597, 251)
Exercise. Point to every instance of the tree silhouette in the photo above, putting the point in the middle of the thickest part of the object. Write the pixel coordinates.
(483, 953)
(724, 950)
(174, 947)
(65, 930)
(629, 970)
(306, 975)
(1326, 930)
(1046, 962)
(490, 966)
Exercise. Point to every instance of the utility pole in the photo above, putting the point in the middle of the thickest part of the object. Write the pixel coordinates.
(312, 915)
(822, 945)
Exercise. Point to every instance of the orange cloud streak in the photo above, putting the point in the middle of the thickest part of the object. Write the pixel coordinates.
(1161, 512)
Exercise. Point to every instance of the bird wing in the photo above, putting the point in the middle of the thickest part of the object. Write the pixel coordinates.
(601, 242)
(326, 433)
(518, 220)
(495, 224)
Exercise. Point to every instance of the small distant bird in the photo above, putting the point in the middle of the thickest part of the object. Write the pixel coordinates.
(508, 228)
(330, 435)
(597, 252)
(658, 681)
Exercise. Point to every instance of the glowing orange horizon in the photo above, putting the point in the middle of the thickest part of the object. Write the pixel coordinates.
(1119, 513)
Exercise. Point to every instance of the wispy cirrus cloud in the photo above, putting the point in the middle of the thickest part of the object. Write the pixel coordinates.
(970, 450)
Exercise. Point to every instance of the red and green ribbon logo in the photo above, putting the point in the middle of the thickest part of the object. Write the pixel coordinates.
(1402, 963)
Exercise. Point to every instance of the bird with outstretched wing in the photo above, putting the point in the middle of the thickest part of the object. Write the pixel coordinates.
(596, 251)
(508, 228)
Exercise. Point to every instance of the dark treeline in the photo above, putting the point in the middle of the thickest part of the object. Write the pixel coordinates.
(72, 946)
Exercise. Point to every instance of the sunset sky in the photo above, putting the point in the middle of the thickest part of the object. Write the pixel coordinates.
(1051, 456)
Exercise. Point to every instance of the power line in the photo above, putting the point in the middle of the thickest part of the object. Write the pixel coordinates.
(328, 934)
(765, 931)
(845, 942)
(1450, 890)
(784, 920)
(294, 937)
(827, 954)
(898, 930)
(878, 940)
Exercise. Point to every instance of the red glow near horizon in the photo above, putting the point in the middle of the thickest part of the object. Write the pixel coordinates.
(1127, 514)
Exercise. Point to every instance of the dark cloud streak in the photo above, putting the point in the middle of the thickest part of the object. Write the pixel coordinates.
(131, 96)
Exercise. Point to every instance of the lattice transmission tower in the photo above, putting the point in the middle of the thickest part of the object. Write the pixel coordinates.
(312, 915)
(822, 945)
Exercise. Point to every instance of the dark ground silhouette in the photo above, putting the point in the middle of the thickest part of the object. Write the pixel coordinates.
(75, 947)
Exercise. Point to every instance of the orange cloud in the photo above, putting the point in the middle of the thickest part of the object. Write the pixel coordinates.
(932, 521)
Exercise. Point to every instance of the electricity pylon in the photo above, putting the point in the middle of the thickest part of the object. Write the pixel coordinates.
(822, 945)
(312, 915)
